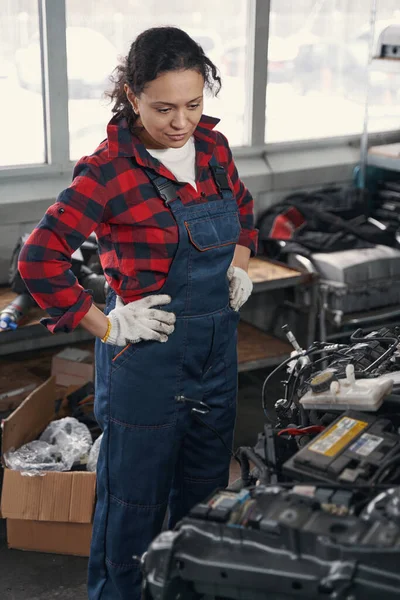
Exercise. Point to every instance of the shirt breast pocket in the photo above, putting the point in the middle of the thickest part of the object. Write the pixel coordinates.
(214, 232)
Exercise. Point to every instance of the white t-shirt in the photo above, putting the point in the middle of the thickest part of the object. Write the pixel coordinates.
(180, 161)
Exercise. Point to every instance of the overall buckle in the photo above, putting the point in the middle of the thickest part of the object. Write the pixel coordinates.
(167, 191)
(221, 179)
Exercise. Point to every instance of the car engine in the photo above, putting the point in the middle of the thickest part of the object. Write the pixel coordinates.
(316, 512)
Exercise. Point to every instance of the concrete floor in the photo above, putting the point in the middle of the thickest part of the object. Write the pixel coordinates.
(35, 576)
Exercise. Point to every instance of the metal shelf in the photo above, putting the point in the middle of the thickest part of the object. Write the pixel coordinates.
(372, 316)
(367, 321)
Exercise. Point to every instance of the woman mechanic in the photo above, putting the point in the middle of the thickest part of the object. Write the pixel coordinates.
(175, 231)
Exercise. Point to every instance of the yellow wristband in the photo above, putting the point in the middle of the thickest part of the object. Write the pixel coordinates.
(107, 333)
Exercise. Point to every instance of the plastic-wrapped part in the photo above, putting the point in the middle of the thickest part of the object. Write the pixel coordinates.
(34, 458)
(71, 438)
(94, 454)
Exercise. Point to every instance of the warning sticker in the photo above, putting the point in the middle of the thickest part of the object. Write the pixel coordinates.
(338, 436)
(366, 444)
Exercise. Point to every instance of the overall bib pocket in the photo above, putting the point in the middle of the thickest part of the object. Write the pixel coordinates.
(214, 232)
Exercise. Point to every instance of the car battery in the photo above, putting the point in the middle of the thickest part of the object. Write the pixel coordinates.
(349, 450)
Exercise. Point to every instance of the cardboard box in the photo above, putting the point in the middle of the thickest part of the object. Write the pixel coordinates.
(11, 399)
(52, 512)
(41, 536)
(16, 382)
(73, 366)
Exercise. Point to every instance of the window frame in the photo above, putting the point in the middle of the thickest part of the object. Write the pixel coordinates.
(52, 26)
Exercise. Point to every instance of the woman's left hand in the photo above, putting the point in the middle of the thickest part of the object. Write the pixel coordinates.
(240, 287)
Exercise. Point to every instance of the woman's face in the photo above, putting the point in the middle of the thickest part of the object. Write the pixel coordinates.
(169, 108)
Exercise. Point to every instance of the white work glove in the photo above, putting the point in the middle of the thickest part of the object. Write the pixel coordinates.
(240, 287)
(138, 321)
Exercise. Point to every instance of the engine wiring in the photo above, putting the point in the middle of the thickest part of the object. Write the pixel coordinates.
(335, 356)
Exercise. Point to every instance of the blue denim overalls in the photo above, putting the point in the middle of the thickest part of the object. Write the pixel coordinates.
(154, 454)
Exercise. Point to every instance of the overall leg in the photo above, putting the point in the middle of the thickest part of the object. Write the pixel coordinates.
(138, 415)
(203, 461)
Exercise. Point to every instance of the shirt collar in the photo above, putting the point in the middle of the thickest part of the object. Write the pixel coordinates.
(122, 142)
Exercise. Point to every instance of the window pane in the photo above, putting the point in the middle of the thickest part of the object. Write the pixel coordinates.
(98, 31)
(317, 70)
(21, 117)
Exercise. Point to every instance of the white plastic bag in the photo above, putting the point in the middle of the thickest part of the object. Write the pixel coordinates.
(34, 458)
(71, 438)
(94, 454)
(62, 445)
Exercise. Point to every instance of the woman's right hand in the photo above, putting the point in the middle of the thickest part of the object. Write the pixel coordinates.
(139, 320)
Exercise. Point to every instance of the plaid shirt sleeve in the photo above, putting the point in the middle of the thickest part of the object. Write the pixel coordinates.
(249, 235)
(45, 259)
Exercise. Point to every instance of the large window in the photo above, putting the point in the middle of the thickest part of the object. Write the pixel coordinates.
(308, 80)
(98, 31)
(21, 115)
(317, 70)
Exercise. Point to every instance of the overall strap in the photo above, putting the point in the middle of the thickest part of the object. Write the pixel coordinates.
(220, 178)
(165, 188)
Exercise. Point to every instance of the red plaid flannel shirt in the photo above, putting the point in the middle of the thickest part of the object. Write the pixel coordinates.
(137, 235)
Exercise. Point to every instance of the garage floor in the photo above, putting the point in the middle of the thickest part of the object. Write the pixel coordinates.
(34, 576)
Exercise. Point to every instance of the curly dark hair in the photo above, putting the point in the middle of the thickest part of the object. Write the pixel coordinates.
(155, 51)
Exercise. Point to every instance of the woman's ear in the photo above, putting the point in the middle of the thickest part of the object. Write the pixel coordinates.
(132, 98)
